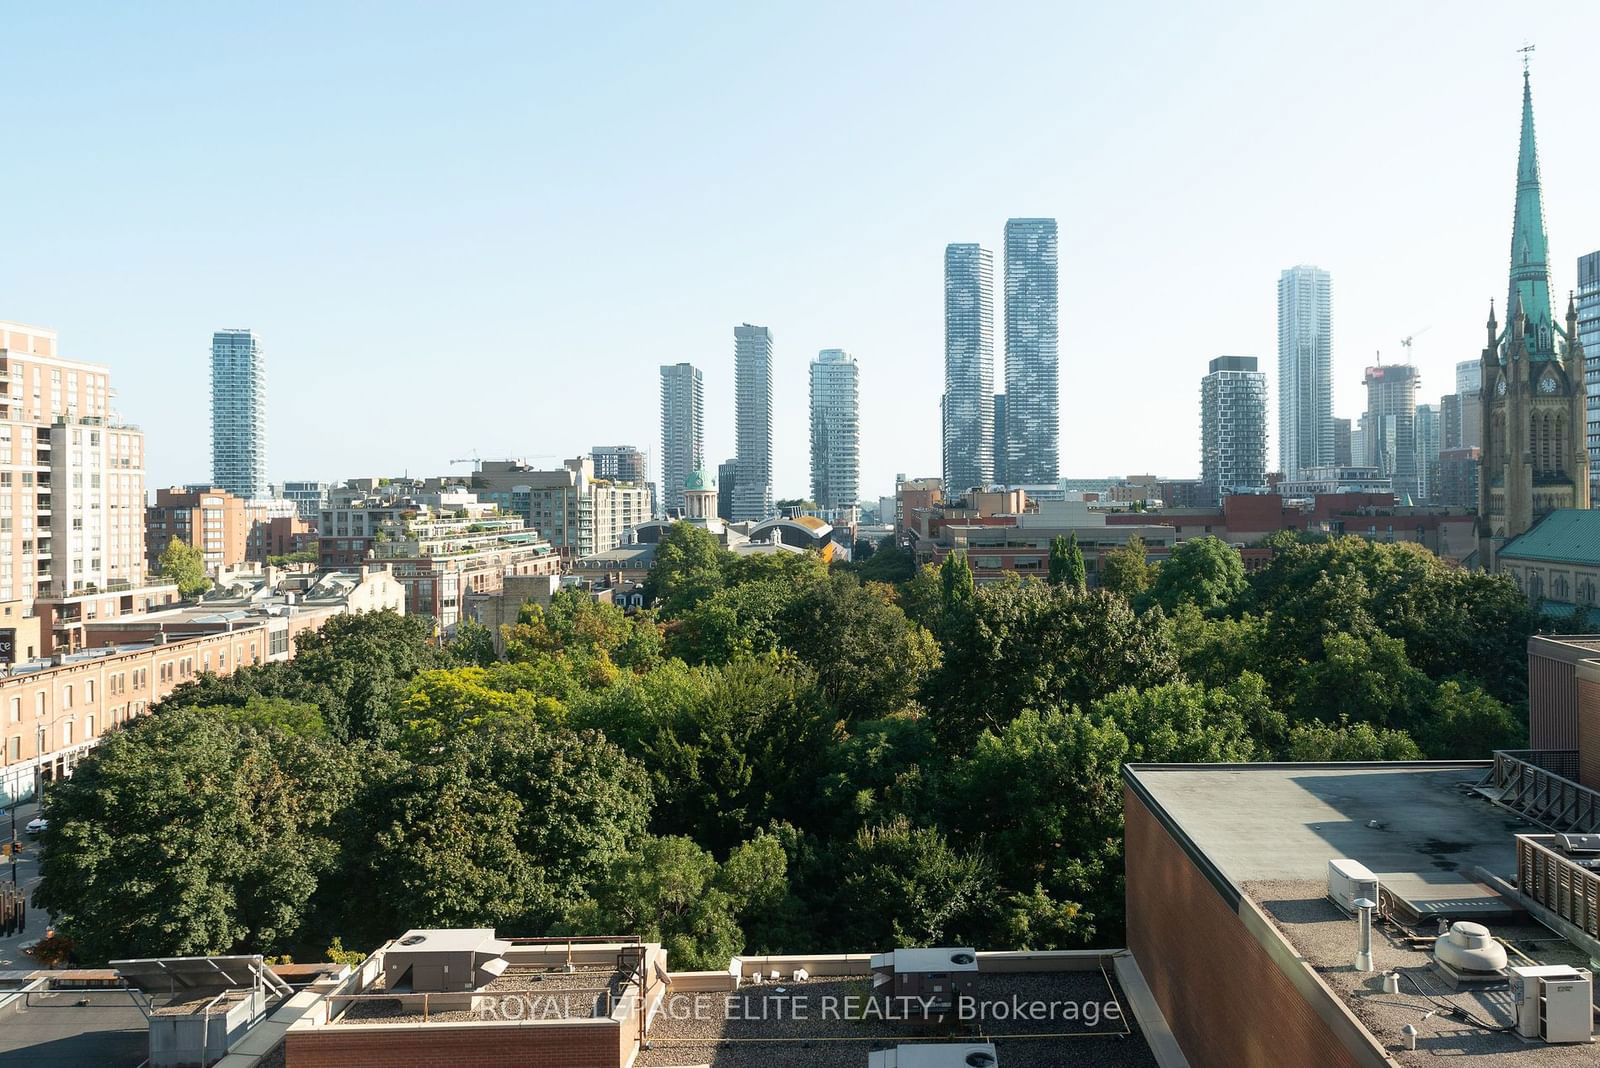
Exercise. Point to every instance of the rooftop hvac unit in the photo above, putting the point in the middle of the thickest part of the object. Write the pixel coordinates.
(1349, 880)
(935, 1055)
(1554, 1003)
(437, 962)
(919, 983)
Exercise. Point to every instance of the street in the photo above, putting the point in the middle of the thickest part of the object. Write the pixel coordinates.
(11, 955)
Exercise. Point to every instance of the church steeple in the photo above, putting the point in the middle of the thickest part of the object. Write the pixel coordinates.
(1529, 298)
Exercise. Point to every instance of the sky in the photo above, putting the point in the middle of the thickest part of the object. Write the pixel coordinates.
(480, 228)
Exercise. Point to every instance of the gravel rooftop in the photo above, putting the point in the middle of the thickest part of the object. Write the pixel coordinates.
(1326, 938)
(812, 1024)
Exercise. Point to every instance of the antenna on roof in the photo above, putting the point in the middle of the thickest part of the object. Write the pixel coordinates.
(1527, 55)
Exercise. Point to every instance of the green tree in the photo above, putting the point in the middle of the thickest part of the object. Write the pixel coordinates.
(1345, 741)
(210, 834)
(1066, 563)
(359, 667)
(869, 659)
(1125, 569)
(1033, 645)
(1185, 723)
(687, 569)
(899, 885)
(955, 579)
(674, 892)
(1464, 723)
(183, 564)
(1205, 572)
(887, 563)
(473, 644)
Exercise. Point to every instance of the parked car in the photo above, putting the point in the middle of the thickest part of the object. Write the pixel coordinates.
(37, 825)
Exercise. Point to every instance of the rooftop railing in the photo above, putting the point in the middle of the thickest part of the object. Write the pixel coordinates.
(1569, 890)
(1537, 784)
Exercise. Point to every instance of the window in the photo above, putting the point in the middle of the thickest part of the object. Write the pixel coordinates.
(66, 697)
(66, 733)
(16, 710)
(38, 704)
(88, 691)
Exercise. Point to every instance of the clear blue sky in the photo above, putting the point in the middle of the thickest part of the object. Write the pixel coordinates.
(484, 226)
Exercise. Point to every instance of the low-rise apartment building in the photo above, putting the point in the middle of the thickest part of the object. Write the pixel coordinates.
(580, 514)
(439, 560)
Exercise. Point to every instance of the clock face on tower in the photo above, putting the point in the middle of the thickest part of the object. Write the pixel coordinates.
(1500, 387)
(1547, 385)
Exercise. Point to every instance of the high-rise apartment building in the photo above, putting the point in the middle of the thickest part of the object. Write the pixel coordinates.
(620, 463)
(1430, 443)
(752, 388)
(1390, 422)
(727, 478)
(1305, 376)
(683, 430)
(1233, 427)
(1000, 475)
(239, 414)
(1469, 384)
(1033, 373)
(1341, 442)
(968, 403)
(71, 476)
(835, 430)
(1589, 337)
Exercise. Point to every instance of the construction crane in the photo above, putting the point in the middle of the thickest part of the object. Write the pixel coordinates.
(477, 461)
(1406, 341)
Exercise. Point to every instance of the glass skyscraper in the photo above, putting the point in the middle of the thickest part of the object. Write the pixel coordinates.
(683, 430)
(239, 414)
(1033, 374)
(968, 403)
(1589, 337)
(1391, 425)
(1233, 426)
(752, 387)
(1305, 377)
(835, 430)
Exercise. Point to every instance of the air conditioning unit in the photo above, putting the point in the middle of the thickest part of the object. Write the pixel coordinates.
(1349, 880)
(935, 1055)
(1554, 1003)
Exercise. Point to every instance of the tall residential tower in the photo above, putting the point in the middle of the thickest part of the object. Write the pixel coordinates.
(683, 430)
(835, 430)
(1305, 379)
(752, 386)
(968, 403)
(239, 414)
(1033, 373)
(1233, 426)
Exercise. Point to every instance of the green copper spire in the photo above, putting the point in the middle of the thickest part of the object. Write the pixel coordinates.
(1530, 251)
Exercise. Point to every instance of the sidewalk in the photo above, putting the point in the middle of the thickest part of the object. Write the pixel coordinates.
(11, 955)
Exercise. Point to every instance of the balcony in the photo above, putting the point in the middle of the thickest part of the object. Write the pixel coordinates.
(1538, 785)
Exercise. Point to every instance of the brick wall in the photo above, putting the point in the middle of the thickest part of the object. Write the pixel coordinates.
(1588, 741)
(1227, 1001)
(543, 1045)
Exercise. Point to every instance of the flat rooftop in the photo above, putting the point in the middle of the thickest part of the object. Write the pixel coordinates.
(1419, 827)
(73, 1029)
(549, 992)
(1075, 1017)
(1268, 832)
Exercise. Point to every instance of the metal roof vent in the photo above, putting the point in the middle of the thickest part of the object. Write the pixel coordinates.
(1469, 954)
(413, 939)
(963, 957)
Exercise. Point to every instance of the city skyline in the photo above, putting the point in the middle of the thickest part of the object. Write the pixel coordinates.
(320, 286)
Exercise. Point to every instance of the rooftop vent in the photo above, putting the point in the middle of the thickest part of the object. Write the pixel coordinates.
(1469, 954)
(935, 1055)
